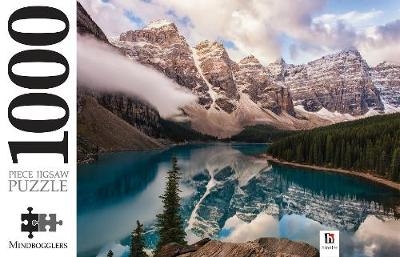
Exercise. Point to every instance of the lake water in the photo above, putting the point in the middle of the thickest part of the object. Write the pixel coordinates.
(231, 195)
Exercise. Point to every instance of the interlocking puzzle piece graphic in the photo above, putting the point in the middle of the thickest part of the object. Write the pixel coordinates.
(52, 223)
(29, 222)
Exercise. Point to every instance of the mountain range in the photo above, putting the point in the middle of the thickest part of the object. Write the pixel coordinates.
(233, 95)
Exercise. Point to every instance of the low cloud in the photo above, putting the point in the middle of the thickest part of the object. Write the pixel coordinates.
(102, 68)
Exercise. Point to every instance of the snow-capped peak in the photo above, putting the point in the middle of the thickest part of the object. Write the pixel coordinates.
(280, 61)
(387, 63)
(159, 24)
(249, 59)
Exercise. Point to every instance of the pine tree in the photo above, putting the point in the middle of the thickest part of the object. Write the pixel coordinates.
(169, 223)
(395, 165)
(110, 254)
(137, 242)
(371, 144)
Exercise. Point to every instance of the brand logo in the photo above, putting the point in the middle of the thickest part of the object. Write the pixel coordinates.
(329, 243)
(35, 222)
(329, 238)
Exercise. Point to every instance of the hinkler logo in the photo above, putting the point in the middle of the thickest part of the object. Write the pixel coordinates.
(329, 238)
(329, 243)
(34, 222)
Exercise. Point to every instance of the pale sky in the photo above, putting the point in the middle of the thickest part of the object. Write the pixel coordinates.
(297, 30)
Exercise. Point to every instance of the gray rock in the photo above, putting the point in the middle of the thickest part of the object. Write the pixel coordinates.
(255, 81)
(271, 247)
(167, 51)
(386, 78)
(339, 82)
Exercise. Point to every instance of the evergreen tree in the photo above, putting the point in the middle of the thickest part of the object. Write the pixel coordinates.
(137, 242)
(395, 165)
(110, 254)
(169, 223)
(365, 145)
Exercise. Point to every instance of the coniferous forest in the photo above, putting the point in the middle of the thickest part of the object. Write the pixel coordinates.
(367, 145)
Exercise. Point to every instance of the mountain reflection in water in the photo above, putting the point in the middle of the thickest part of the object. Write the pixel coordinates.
(230, 194)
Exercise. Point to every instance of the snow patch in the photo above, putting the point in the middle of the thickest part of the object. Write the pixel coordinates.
(328, 115)
(211, 92)
(158, 24)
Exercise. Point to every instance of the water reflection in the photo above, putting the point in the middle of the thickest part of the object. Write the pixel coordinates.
(230, 194)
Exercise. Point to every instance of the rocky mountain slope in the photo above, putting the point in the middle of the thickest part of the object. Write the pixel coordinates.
(85, 24)
(386, 78)
(254, 80)
(272, 247)
(233, 95)
(161, 46)
(96, 132)
(230, 95)
(101, 114)
(339, 83)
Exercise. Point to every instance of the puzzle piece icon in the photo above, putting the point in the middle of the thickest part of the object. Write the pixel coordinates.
(52, 223)
(29, 222)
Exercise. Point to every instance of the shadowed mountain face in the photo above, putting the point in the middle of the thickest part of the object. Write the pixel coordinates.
(111, 121)
(86, 25)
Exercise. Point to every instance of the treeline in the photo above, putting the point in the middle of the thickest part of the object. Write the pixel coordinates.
(260, 134)
(371, 144)
(181, 132)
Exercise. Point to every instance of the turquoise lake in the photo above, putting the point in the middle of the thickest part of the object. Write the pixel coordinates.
(230, 194)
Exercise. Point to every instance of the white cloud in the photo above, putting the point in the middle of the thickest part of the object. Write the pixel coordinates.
(381, 43)
(257, 27)
(110, 18)
(254, 26)
(352, 18)
(105, 69)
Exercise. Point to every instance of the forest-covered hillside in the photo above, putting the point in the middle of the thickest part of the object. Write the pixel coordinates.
(260, 134)
(371, 144)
